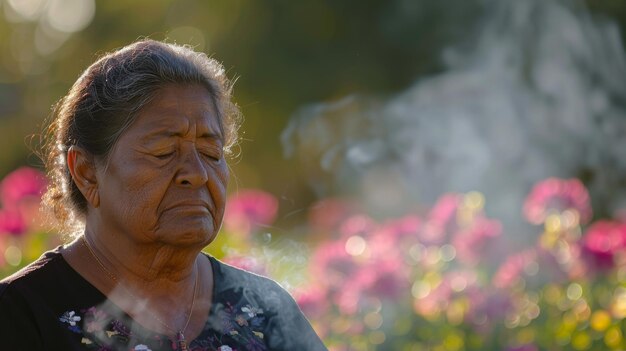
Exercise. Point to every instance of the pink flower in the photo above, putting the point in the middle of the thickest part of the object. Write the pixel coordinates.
(312, 301)
(444, 211)
(472, 244)
(513, 268)
(387, 278)
(328, 214)
(406, 227)
(21, 183)
(95, 320)
(250, 209)
(12, 222)
(436, 301)
(361, 225)
(441, 220)
(558, 195)
(487, 307)
(602, 240)
(331, 261)
(535, 265)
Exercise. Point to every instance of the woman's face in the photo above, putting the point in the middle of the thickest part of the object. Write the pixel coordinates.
(166, 178)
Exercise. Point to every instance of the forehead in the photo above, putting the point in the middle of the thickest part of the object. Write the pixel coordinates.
(177, 109)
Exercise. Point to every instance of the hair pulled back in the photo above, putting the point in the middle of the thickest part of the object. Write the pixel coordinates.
(104, 102)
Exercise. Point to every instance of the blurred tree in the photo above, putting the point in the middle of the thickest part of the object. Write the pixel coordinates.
(284, 54)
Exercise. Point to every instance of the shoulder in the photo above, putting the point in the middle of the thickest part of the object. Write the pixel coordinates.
(23, 297)
(33, 275)
(228, 276)
(286, 328)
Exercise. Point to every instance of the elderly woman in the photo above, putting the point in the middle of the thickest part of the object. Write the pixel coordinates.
(136, 161)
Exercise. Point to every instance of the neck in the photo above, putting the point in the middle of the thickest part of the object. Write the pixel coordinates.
(151, 265)
(164, 286)
(139, 298)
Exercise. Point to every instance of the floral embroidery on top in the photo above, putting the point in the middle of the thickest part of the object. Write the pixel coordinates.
(230, 327)
(71, 318)
(251, 311)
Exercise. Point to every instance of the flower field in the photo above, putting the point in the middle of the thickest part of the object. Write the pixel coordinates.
(441, 278)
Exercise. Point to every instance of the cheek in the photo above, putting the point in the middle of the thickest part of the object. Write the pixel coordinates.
(141, 190)
(219, 184)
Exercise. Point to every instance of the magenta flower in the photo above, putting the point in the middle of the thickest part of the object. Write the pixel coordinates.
(21, 183)
(472, 244)
(557, 195)
(602, 240)
(249, 209)
(12, 222)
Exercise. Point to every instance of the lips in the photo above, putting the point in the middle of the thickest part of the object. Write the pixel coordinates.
(190, 206)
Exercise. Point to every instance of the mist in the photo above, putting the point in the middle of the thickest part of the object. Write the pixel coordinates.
(539, 92)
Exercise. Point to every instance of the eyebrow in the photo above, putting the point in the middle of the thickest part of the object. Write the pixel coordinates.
(170, 134)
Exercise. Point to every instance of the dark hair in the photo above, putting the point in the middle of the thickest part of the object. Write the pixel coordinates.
(104, 102)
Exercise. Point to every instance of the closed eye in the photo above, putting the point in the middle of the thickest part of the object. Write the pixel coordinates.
(212, 155)
(211, 152)
(164, 156)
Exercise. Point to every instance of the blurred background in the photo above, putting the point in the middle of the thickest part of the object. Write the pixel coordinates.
(287, 56)
(385, 145)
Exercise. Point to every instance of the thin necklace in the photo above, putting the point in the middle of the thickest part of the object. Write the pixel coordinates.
(180, 334)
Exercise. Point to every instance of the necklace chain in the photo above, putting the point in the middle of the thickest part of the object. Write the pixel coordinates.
(180, 333)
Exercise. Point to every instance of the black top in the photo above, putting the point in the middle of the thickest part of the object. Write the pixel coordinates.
(49, 306)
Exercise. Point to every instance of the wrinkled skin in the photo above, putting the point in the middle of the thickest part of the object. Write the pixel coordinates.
(166, 177)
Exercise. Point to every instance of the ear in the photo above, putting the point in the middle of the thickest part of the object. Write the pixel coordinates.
(83, 171)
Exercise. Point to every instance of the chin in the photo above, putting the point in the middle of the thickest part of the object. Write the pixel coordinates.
(199, 237)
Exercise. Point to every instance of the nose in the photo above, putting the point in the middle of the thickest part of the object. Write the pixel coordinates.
(192, 171)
